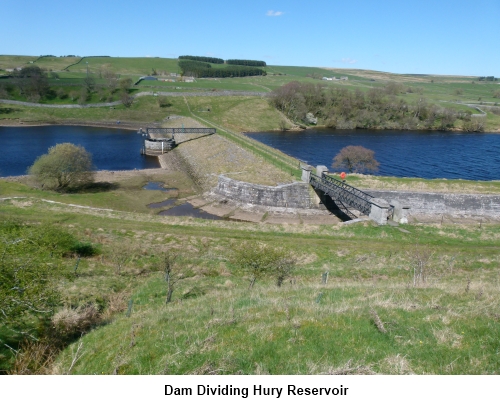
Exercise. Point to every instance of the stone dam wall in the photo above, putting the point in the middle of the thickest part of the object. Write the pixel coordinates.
(484, 205)
(301, 195)
(294, 195)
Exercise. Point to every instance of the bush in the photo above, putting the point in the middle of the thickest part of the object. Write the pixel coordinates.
(84, 249)
(263, 260)
(164, 102)
(64, 166)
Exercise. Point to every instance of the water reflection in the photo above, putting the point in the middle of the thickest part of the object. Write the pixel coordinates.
(156, 185)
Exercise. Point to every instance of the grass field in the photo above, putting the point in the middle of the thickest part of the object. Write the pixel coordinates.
(445, 91)
(136, 66)
(368, 318)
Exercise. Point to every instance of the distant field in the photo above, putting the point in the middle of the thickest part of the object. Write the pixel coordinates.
(238, 84)
(445, 91)
(140, 66)
(11, 62)
(55, 63)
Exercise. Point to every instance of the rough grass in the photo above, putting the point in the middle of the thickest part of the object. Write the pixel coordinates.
(216, 325)
(238, 113)
(300, 329)
(143, 110)
(213, 155)
(416, 184)
(120, 191)
(14, 61)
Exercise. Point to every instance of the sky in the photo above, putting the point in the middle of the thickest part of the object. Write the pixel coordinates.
(455, 37)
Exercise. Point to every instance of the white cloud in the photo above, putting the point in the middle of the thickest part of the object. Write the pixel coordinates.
(348, 61)
(272, 13)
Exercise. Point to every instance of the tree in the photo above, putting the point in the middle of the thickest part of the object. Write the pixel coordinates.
(126, 99)
(356, 159)
(111, 80)
(169, 267)
(474, 125)
(64, 166)
(101, 92)
(125, 83)
(261, 260)
(32, 82)
(89, 84)
(84, 96)
(61, 93)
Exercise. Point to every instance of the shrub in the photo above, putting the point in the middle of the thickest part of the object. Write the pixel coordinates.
(261, 260)
(84, 249)
(64, 166)
(164, 102)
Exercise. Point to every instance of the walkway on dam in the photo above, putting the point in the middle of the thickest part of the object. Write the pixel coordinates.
(345, 197)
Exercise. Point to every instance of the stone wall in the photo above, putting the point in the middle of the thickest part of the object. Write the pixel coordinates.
(300, 195)
(444, 203)
(157, 144)
(294, 195)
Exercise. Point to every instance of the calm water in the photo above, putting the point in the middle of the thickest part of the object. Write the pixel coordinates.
(112, 149)
(425, 154)
(155, 185)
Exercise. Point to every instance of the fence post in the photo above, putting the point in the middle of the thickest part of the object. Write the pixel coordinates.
(129, 309)
(318, 299)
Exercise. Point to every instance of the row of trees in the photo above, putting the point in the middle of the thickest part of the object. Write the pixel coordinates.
(203, 59)
(246, 62)
(378, 108)
(218, 61)
(488, 79)
(201, 69)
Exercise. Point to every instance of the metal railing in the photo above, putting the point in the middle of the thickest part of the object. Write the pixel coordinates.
(173, 131)
(339, 191)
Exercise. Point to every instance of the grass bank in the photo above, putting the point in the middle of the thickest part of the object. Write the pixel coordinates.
(372, 315)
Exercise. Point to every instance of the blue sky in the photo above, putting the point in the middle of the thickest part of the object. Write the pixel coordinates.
(406, 36)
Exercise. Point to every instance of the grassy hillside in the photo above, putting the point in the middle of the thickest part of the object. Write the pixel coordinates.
(140, 66)
(444, 91)
(372, 316)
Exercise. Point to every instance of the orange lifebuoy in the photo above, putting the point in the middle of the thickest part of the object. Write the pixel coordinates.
(342, 175)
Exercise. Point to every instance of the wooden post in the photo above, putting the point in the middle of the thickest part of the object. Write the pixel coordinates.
(324, 278)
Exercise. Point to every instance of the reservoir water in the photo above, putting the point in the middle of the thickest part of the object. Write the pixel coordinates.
(425, 154)
(111, 149)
